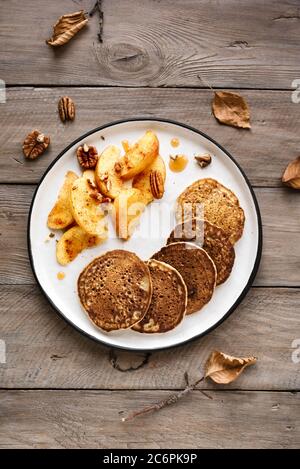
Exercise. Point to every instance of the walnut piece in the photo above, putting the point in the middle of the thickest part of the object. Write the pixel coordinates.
(35, 144)
(92, 184)
(117, 167)
(95, 194)
(87, 156)
(66, 109)
(104, 177)
(100, 198)
(157, 184)
(203, 160)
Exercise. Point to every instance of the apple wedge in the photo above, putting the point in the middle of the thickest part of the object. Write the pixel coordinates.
(88, 211)
(74, 241)
(139, 156)
(128, 207)
(61, 214)
(107, 172)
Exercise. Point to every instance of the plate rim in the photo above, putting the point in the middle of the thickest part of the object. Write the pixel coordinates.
(238, 300)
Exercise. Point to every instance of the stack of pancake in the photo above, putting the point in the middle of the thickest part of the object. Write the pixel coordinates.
(120, 291)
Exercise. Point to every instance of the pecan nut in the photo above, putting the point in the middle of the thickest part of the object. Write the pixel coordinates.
(157, 184)
(35, 144)
(87, 156)
(66, 109)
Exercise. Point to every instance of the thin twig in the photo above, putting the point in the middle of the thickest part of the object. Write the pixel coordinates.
(98, 7)
(171, 399)
(205, 82)
(93, 10)
(206, 395)
(101, 19)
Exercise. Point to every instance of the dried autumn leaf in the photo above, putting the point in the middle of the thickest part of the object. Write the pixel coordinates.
(224, 369)
(66, 27)
(291, 175)
(231, 109)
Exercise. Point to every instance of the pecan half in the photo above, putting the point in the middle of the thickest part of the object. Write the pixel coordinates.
(35, 144)
(157, 184)
(87, 156)
(66, 109)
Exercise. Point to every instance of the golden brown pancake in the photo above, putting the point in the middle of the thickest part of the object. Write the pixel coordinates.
(212, 239)
(220, 207)
(115, 289)
(196, 268)
(169, 299)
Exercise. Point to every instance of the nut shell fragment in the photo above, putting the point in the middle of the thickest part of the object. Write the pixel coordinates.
(66, 27)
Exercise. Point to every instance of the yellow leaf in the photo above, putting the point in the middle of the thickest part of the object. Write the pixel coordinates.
(224, 369)
(231, 109)
(291, 175)
(66, 27)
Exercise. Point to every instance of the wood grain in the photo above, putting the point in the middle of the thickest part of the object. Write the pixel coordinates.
(44, 352)
(236, 43)
(280, 213)
(91, 419)
(263, 152)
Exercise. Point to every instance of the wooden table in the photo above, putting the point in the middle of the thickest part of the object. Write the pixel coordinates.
(60, 389)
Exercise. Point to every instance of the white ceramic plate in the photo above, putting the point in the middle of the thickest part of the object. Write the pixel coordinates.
(158, 219)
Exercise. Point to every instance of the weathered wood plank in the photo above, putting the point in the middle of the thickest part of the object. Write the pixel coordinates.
(280, 212)
(234, 43)
(42, 351)
(263, 152)
(90, 419)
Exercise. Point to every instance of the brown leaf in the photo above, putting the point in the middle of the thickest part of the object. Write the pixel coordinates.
(224, 369)
(291, 175)
(66, 27)
(231, 109)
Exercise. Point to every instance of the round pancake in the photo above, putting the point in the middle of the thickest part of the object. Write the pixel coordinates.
(115, 289)
(169, 299)
(220, 207)
(212, 239)
(197, 269)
